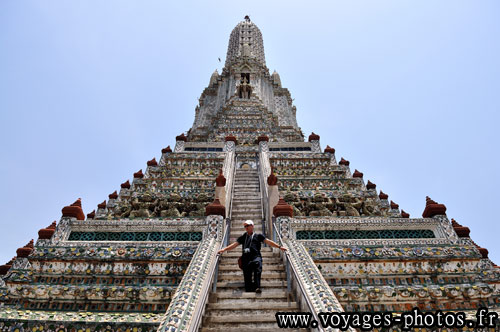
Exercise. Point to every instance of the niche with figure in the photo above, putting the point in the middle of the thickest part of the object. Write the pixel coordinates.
(245, 90)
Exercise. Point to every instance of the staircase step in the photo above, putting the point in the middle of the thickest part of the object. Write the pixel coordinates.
(226, 285)
(238, 275)
(246, 207)
(235, 268)
(269, 318)
(268, 261)
(241, 213)
(246, 193)
(255, 305)
(250, 295)
(249, 200)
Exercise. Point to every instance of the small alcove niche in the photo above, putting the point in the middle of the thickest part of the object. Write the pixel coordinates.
(245, 90)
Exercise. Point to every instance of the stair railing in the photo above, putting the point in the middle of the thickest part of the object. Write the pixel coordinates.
(289, 268)
(225, 238)
(224, 243)
(212, 275)
(231, 188)
(263, 196)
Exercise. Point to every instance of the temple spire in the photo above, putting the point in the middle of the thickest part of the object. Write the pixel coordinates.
(245, 40)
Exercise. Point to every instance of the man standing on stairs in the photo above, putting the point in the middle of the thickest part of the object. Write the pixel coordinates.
(251, 257)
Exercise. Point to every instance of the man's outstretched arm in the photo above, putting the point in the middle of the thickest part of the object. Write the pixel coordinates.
(274, 244)
(229, 247)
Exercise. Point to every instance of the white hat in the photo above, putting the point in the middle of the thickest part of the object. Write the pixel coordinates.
(248, 222)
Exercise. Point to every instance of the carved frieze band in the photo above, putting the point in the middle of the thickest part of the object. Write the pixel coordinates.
(67, 225)
(440, 226)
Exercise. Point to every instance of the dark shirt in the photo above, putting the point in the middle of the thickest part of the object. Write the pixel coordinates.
(253, 242)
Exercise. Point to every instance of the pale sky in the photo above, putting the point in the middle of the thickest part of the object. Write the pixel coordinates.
(407, 91)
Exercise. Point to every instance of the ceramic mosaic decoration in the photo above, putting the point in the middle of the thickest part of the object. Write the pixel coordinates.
(141, 260)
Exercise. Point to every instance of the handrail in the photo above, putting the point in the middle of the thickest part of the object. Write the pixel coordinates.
(228, 223)
(263, 197)
(223, 244)
(199, 313)
(230, 178)
(289, 281)
(213, 273)
(233, 180)
(264, 171)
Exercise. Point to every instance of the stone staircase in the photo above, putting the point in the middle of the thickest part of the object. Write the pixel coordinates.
(231, 308)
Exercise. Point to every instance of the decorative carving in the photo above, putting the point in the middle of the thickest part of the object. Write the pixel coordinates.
(432, 208)
(215, 208)
(181, 137)
(459, 229)
(313, 137)
(272, 180)
(138, 175)
(215, 225)
(74, 210)
(46, 233)
(344, 162)
(6, 267)
(220, 180)
(25, 251)
(91, 215)
(231, 138)
(262, 138)
(357, 174)
(283, 209)
(329, 149)
(370, 185)
(179, 145)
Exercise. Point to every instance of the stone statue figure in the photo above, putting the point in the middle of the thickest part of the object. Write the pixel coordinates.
(245, 89)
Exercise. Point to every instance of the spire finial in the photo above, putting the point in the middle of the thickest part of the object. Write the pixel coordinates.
(247, 18)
